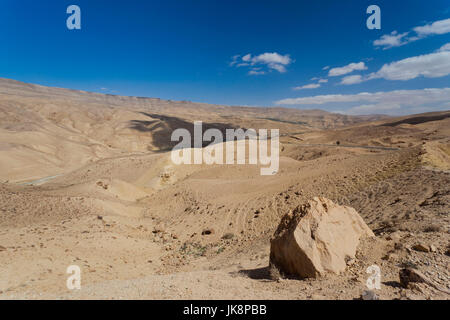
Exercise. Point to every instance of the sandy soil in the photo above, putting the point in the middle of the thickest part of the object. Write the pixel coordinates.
(86, 179)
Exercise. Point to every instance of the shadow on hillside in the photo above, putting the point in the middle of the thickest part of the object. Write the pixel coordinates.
(161, 127)
(418, 120)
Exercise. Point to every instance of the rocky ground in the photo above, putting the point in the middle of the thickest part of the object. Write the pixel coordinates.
(140, 227)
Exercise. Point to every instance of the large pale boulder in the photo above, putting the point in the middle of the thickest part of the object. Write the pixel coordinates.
(317, 238)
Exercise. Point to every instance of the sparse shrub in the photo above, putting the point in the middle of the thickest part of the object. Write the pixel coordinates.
(220, 250)
(195, 249)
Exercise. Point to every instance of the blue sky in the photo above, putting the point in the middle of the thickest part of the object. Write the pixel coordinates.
(257, 53)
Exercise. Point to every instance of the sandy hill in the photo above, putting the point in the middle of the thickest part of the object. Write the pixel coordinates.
(87, 180)
(47, 131)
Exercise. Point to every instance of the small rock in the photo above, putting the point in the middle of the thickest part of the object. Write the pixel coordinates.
(433, 248)
(421, 247)
(396, 236)
(409, 276)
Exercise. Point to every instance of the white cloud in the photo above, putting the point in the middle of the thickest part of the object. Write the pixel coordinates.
(326, 68)
(271, 60)
(308, 86)
(256, 72)
(234, 60)
(389, 102)
(391, 40)
(247, 57)
(347, 69)
(319, 80)
(352, 79)
(280, 68)
(445, 47)
(395, 40)
(431, 65)
(437, 27)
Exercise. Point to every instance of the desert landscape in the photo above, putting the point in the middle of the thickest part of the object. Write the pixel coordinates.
(86, 179)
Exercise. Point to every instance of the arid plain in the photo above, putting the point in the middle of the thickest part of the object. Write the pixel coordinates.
(86, 179)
